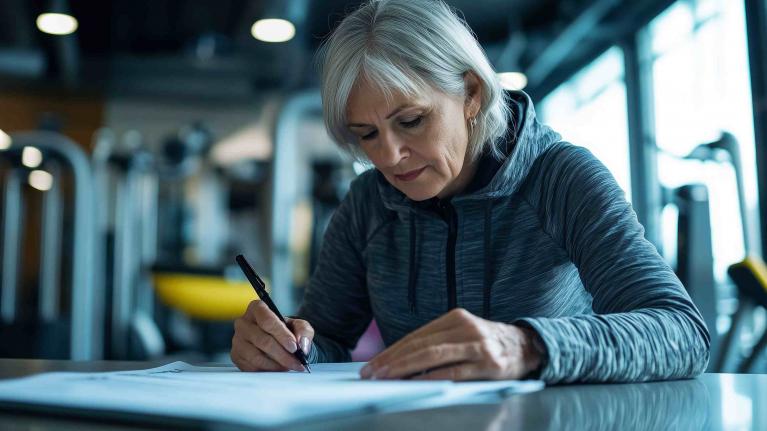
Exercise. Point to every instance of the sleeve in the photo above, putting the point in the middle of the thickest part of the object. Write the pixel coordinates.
(336, 301)
(645, 326)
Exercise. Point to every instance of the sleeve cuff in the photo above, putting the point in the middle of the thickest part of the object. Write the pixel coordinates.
(550, 368)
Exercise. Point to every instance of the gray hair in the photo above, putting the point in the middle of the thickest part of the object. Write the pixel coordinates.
(408, 46)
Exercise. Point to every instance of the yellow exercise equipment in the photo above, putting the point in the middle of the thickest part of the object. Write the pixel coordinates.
(750, 278)
(204, 297)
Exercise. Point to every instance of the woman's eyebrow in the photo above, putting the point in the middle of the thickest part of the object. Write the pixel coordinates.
(391, 114)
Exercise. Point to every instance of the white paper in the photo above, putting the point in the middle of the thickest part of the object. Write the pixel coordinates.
(224, 394)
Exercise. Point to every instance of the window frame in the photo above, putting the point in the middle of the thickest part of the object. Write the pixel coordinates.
(756, 36)
(647, 193)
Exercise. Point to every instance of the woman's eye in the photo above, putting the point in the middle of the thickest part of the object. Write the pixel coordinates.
(369, 136)
(411, 123)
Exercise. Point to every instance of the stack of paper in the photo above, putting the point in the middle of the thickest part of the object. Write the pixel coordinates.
(224, 394)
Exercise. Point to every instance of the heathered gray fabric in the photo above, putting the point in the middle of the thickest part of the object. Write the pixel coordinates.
(565, 255)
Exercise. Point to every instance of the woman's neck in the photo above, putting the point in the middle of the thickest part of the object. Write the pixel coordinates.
(463, 179)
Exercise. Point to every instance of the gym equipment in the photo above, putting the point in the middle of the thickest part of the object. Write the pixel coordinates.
(189, 275)
(203, 296)
(127, 232)
(749, 275)
(694, 255)
(84, 321)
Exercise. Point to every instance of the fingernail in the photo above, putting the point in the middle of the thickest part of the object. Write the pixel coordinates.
(381, 373)
(305, 345)
(292, 346)
(365, 371)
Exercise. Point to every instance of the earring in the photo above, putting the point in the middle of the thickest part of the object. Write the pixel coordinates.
(472, 124)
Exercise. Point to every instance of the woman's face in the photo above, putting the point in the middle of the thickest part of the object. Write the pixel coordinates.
(418, 143)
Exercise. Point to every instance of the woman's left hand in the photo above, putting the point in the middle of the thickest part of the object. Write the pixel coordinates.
(458, 346)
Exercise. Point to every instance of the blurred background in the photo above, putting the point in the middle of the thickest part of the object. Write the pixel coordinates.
(143, 144)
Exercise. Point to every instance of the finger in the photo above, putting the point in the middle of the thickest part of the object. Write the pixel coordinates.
(457, 317)
(274, 350)
(272, 324)
(237, 360)
(428, 358)
(253, 359)
(249, 361)
(250, 312)
(406, 347)
(303, 332)
(457, 372)
(453, 318)
(459, 326)
(413, 340)
(265, 342)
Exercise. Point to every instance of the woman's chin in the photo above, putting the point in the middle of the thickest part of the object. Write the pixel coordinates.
(417, 193)
(419, 189)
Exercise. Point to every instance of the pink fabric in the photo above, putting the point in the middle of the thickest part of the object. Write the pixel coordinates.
(369, 344)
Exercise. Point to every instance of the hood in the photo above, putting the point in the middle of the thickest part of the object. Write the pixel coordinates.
(531, 140)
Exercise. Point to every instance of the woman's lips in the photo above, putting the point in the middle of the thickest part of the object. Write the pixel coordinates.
(410, 176)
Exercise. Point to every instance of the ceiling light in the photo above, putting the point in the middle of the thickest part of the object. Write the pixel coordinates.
(56, 23)
(41, 180)
(5, 141)
(273, 30)
(513, 80)
(31, 157)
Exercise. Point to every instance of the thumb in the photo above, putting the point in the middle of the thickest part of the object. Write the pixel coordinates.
(303, 332)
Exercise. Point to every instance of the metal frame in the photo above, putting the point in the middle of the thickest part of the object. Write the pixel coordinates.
(614, 30)
(12, 228)
(646, 189)
(568, 39)
(126, 264)
(86, 313)
(103, 143)
(52, 222)
(127, 184)
(756, 28)
(285, 195)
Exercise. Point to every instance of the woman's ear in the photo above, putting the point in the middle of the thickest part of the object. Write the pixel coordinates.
(473, 99)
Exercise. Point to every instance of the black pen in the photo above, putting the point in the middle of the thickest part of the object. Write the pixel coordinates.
(260, 288)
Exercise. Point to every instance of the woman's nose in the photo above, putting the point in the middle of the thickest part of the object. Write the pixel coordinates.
(392, 150)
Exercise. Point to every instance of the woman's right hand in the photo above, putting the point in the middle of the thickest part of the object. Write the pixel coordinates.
(262, 342)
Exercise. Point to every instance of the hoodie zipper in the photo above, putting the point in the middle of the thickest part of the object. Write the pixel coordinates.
(448, 214)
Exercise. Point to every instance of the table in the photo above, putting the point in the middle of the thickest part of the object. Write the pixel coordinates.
(712, 401)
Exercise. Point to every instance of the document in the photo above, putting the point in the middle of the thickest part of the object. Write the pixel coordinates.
(224, 394)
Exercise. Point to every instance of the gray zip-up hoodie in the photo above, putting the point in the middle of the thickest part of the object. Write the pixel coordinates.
(549, 242)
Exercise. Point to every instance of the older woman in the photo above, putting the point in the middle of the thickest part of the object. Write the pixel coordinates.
(483, 245)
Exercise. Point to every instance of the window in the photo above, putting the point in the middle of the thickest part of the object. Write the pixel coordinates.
(590, 110)
(701, 89)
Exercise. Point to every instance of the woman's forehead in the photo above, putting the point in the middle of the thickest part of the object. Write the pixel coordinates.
(368, 99)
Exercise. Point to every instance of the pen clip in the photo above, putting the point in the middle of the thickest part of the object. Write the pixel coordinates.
(261, 282)
(249, 271)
